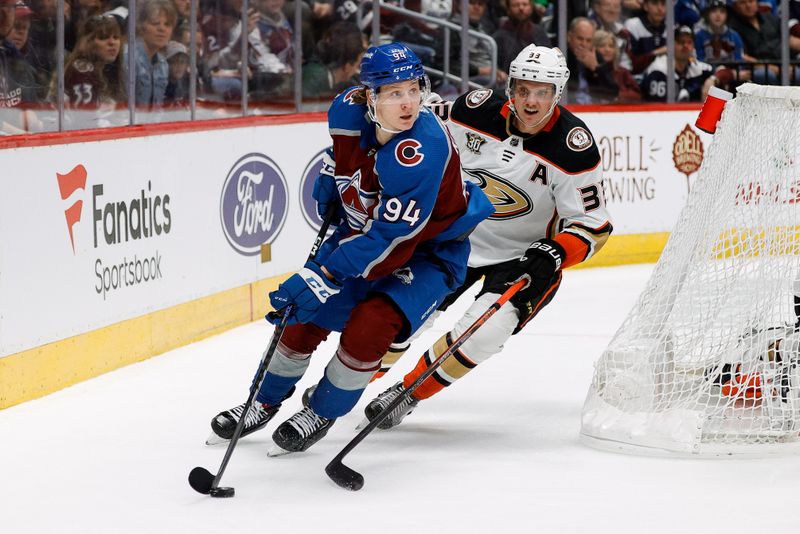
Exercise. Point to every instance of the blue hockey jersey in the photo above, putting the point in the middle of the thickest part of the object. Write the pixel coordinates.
(405, 195)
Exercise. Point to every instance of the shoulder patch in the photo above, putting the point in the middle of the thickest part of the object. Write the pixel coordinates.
(478, 97)
(407, 153)
(578, 139)
(348, 97)
(83, 65)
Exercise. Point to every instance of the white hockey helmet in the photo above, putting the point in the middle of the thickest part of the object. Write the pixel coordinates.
(539, 64)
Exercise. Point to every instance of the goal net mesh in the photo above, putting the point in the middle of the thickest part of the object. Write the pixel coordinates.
(706, 362)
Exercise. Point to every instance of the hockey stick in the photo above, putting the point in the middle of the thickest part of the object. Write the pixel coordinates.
(348, 478)
(200, 478)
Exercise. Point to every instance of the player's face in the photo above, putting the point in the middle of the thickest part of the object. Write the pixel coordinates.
(397, 105)
(532, 101)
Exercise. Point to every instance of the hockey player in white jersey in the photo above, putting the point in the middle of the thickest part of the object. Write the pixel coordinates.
(540, 167)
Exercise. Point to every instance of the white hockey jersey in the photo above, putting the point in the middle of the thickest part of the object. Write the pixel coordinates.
(545, 185)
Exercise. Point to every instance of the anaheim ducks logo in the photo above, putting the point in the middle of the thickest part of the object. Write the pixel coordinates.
(509, 201)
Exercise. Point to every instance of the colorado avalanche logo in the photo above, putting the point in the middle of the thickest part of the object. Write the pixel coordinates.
(254, 203)
(408, 154)
(348, 97)
(509, 201)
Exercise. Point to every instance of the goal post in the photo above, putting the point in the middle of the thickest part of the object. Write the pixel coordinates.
(708, 360)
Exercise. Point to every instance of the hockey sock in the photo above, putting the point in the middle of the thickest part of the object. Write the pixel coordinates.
(394, 353)
(371, 328)
(454, 367)
(290, 361)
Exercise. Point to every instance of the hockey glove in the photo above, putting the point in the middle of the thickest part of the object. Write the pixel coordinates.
(307, 290)
(539, 267)
(325, 191)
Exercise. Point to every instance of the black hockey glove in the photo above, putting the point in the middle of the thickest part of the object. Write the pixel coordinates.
(539, 266)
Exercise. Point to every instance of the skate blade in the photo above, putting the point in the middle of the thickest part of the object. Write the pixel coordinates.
(214, 439)
(362, 425)
(276, 451)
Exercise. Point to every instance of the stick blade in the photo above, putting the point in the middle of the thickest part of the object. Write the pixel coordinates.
(344, 477)
(201, 480)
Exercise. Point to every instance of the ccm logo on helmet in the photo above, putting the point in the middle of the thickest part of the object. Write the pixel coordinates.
(408, 154)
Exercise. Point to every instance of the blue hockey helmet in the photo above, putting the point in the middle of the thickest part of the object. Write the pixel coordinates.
(389, 63)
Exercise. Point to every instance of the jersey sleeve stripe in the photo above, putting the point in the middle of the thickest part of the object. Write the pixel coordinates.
(576, 246)
(342, 131)
(605, 228)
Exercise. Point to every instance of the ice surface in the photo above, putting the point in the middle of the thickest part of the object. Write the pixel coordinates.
(496, 453)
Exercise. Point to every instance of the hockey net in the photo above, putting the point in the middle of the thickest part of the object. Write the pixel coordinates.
(706, 363)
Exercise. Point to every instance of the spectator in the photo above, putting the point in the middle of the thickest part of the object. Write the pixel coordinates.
(648, 34)
(606, 45)
(480, 57)
(606, 14)
(516, 31)
(591, 80)
(81, 11)
(276, 32)
(223, 32)
(176, 94)
(17, 84)
(93, 72)
(184, 37)
(694, 78)
(40, 49)
(760, 32)
(687, 12)
(183, 10)
(22, 26)
(761, 35)
(339, 55)
(714, 41)
(154, 25)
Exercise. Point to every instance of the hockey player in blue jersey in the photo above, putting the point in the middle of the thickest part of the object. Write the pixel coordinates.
(398, 251)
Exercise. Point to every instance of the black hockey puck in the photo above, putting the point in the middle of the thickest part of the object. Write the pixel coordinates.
(222, 493)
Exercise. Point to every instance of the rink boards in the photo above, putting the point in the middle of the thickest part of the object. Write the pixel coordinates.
(122, 244)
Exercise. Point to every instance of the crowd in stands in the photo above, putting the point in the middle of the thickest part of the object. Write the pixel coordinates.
(616, 49)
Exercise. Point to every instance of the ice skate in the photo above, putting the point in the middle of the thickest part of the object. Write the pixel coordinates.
(224, 424)
(300, 432)
(379, 403)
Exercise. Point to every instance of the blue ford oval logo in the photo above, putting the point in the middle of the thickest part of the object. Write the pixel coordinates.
(254, 203)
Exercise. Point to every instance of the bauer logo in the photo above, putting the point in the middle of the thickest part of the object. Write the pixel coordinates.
(307, 203)
(254, 203)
